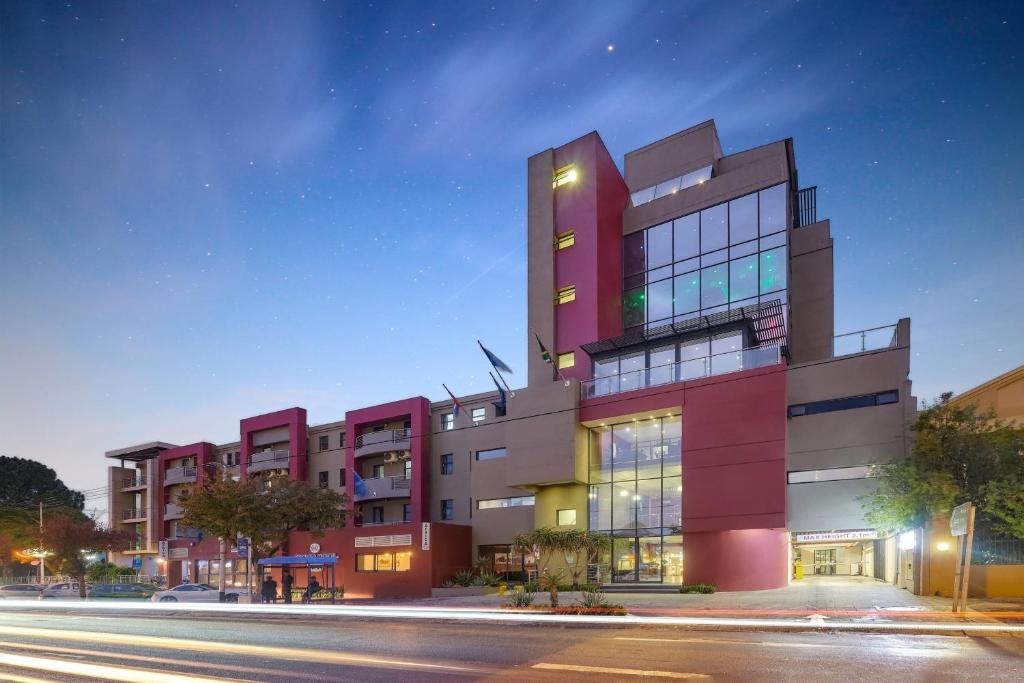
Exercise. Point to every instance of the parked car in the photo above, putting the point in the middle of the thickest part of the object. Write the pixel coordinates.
(196, 592)
(63, 591)
(121, 591)
(20, 591)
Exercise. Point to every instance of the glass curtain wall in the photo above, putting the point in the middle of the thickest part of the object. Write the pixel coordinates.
(726, 256)
(636, 496)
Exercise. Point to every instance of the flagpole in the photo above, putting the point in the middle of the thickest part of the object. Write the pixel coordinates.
(507, 387)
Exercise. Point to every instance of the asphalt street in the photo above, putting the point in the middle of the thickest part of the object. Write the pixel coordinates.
(38, 646)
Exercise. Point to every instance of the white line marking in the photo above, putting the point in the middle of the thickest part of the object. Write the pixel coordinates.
(123, 674)
(617, 672)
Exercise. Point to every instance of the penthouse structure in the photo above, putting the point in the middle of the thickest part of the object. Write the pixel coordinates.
(699, 407)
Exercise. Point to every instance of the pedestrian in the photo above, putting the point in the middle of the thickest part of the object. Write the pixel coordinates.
(269, 589)
(286, 588)
(312, 589)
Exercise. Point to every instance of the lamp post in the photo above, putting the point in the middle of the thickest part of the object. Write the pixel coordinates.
(40, 555)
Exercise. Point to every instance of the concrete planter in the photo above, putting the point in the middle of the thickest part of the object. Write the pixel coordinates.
(457, 591)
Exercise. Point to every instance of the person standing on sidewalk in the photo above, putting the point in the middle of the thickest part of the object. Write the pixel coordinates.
(286, 588)
(269, 589)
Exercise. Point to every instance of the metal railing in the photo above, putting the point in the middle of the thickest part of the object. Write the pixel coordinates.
(384, 487)
(177, 475)
(361, 523)
(172, 511)
(132, 482)
(998, 551)
(864, 340)
(806, 206)
(268, 460)
(184, 532)
(695, 368)
(133, 514)
(384, 436)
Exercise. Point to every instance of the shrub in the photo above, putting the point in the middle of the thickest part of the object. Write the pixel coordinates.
(531, 586)
(463, 578)
(697, 588)
(104, 572)
(594, 599)
(480, 581)
(520, 599)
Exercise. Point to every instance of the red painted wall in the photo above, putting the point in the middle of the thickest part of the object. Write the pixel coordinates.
(295, 420)
(591, 207)
(739, 560)
(206, 456)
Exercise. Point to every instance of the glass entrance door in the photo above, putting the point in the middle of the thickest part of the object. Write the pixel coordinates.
(623, 560)
(825, 562)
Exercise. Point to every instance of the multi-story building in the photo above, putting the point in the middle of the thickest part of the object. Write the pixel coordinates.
(698, 406)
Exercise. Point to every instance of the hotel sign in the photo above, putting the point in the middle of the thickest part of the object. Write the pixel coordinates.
(425, 537)
(849, 535)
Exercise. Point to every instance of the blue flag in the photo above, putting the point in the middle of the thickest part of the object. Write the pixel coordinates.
(501, 405)
(358, 485)
(498, 364)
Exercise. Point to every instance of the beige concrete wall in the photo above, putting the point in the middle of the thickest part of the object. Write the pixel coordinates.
(540, 286)
(550, 499)
(811, 293)
(1004, 395)
(682, 152)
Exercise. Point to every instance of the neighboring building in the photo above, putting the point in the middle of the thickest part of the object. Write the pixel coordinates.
(1003, 395)
(701, 406)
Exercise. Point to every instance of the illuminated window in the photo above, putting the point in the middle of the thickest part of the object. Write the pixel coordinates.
(384, 562)
(566, 360)
(564, 175)
(566, 517)
(514, 502)
(565, 239)
(566, 294)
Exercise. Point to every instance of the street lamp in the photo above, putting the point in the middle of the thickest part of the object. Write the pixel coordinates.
(40, 555)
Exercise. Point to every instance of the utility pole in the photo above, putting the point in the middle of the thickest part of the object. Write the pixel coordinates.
(42, 559)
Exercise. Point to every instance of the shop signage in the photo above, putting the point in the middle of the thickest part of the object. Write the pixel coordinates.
(958, 520)
(314, 548)
(849, 535)
(163, 549)
(177, 553)
(425, 537)
(136, 563)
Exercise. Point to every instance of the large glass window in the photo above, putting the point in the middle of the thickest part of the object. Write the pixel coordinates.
(726, 256)
(600, 454)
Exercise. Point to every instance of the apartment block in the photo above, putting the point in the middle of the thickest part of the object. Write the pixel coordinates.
(695, 402)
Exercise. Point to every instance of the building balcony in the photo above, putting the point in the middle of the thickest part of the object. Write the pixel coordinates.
(172, 511)
(131, 483)
(179, 475)
(133, 515)
(262, 461)
(384, 441)
(182, 533)
(385, 487)
(359, 523)
(871, 339)
(695, 368)
(137, 547)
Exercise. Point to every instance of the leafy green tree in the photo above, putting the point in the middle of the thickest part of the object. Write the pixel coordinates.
(103, 572)
(69, 538)
(959, 455)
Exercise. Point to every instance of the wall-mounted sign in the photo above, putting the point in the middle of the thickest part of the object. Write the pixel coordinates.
(162, 545)
(177, 554)
(847, 535)
(958, 520)
(425, 537)
(314, 548)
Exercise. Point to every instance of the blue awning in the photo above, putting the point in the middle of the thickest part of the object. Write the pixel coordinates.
(297, 559)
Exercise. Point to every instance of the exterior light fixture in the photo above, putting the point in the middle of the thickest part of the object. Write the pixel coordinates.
(943, 546)
(907, 540)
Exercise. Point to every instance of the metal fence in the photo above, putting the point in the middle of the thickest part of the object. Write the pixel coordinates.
(807, 206)
(997, 551)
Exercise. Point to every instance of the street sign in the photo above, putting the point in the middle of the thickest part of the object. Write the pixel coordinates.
(425, 537)
(958, 520)
(34, 563)
(242, 546)
(136, 563)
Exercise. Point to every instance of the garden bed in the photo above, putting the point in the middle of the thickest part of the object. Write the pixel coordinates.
(615, 611)
(456, 591)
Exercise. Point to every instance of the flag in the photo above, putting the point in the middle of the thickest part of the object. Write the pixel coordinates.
(499, 365)
(555, 372)
(458, 406)
(501, 405)
(358, 485)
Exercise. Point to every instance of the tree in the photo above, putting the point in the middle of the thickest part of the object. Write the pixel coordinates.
(543, 542)
(264, 509)
(959, 455)
(68, 538)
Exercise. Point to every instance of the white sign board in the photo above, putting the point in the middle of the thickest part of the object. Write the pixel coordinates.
(848, 535)
(163, 549)
(958, 520)
(425, 537)
(314, 548)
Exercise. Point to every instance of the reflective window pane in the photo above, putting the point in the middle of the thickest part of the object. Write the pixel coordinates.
(631, 371)
(624, 505)
(715, 257)
(714, 233)
(648, 449)
(642, 196)
(633, 260)
(633, 307)
(744, 249)
(672, 439)
(601, 507)
(662, 362)
(600, 454)
(659, 301)
(686, 266)
(687, 293)
(773, 270)
(743, 219)
(672, 559)
(659, 245)
(672, 502)
(687, 236)
(649, 567)
(693, 359)
(714, 286)
(743, 278)
(659, 274)
(773, 209)
(727, 354)
(666, 188)
(648, 504)
(623, 452)
(772, 241)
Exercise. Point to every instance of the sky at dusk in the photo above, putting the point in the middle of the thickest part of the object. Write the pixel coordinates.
(213, 210)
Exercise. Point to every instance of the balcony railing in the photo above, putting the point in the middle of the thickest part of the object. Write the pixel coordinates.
(179, 475)
(132, 483)
(695, 368)
(363, 523)
(384, 487)
(268, 460)
(807, 206)
(133, 514)
(184, 532)
(172, 511)
(382, 441)
(864, 340)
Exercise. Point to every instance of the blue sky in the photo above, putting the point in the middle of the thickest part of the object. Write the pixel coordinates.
(213, 210)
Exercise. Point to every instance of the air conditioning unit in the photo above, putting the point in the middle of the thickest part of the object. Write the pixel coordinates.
(391, 457)
(404, 455)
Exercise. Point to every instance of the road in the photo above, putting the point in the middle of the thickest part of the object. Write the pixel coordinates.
(178, 647)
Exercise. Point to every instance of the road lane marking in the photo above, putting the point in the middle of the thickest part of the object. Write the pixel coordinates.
(898, 650)
(222, 647)
(617, 672)
(237, 668)
(122, 674)
(16, 678)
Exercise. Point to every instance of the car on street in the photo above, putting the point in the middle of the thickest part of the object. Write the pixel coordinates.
(62, 591)
(196, 592)
(122, 591)
(20, 591)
